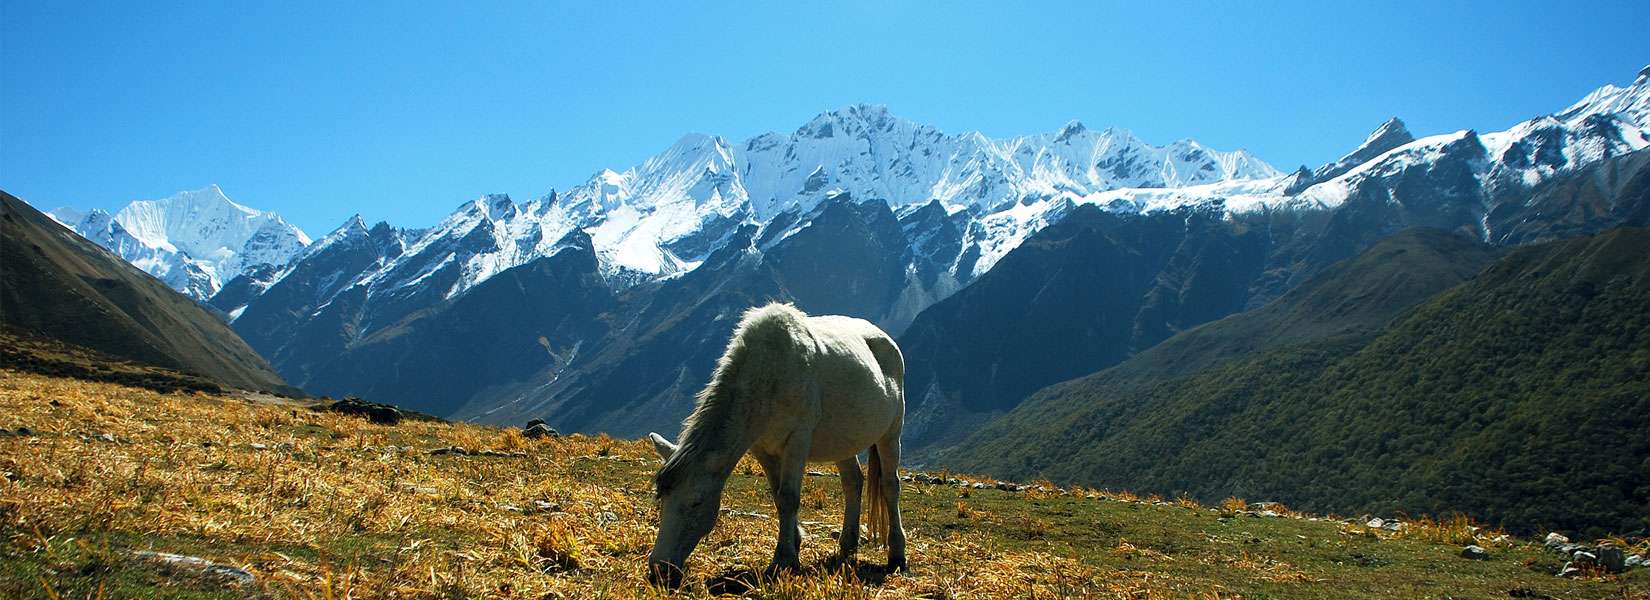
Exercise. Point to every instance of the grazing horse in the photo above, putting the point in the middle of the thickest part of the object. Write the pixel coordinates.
(790, 389)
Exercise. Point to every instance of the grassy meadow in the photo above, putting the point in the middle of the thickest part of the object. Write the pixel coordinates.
(321, 505)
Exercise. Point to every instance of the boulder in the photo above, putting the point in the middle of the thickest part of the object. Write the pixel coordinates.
(1611, 558)
(540, 430)
(382, 414)
(1635, 561)
(1475, 553)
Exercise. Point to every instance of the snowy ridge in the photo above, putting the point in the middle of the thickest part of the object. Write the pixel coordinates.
(195, 241)
(666, 215)
(1609, 122)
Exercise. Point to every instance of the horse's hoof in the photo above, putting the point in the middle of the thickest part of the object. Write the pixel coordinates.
(774, 569)
(839, 559)
(665, 576)
(898, 565)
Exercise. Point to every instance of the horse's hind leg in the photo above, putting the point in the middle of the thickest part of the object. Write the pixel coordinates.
(853, 485)
(888, 455)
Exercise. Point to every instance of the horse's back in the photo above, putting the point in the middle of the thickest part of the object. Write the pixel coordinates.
(888, 358)
(861, 378)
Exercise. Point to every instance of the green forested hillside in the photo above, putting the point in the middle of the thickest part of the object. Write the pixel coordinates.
(1521, 397)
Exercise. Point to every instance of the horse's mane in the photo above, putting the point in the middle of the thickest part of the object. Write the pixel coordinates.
(775, 322)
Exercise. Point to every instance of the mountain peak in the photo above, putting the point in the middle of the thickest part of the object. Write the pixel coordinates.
(1392, 126)
(1644, 76)
(1072, 129)
(848, 120)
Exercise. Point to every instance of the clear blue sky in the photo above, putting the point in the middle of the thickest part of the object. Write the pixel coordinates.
(403, 110)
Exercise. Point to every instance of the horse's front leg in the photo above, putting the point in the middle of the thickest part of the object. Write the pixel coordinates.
(788, 497)
(771, 467)
(853, 485)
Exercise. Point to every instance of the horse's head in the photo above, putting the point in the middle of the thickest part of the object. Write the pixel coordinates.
(689, 492)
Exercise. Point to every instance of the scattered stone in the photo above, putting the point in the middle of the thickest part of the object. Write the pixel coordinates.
(604, 518)
(979, 486)
(1582, 559)
(533, 422)
(1569, 570)
(1611, 558)
(511, 507)
(106, 437)
(540, 430)
(458, 450)
(1554, 540)
(1375, 523)
(232, 575)
(1635, 561)
(1269, 513)
(816, 473)
(1475, 552)
(1393, 525)
(258, 446)
(542, 506)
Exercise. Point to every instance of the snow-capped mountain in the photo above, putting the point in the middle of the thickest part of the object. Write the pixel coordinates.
(1489, 175)
(195, 241)
(666, 215)
(860, 212)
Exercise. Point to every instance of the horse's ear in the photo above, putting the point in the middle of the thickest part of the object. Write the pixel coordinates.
(662, 446)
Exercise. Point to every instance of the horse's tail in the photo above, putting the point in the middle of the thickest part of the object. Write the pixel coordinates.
(876, 503)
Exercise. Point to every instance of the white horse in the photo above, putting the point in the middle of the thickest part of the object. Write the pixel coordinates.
(790, 389)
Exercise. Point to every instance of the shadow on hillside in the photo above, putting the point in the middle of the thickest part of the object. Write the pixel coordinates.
(736, 582)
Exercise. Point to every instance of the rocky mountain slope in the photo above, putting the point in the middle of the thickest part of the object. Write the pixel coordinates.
(195, 241)
(950, 206)
(55, 284)
(1480, 399)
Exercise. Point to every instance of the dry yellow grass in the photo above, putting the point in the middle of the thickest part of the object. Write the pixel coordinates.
(319, 505)
(292, 495)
